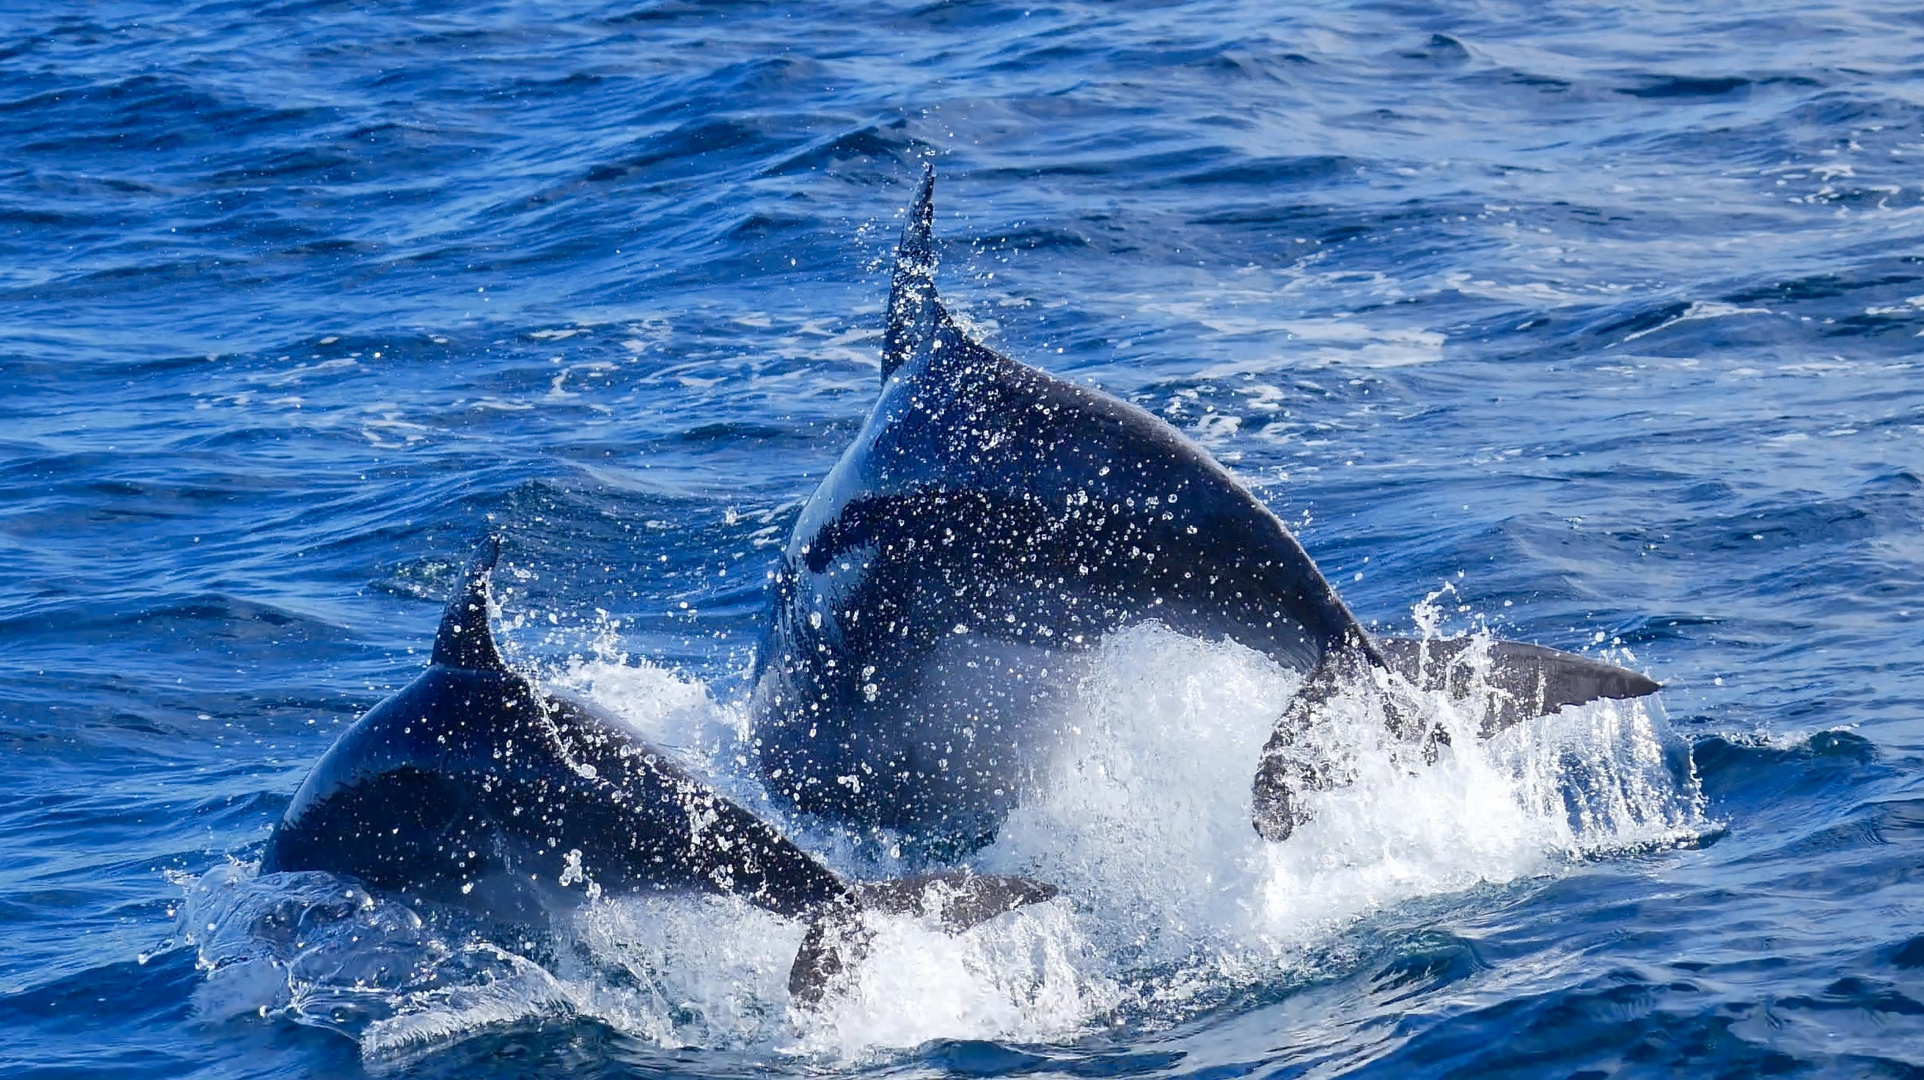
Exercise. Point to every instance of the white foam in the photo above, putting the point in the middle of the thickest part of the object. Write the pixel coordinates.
(1141, 816)
(1028, 975)
(1144, 817)
(1147, 820)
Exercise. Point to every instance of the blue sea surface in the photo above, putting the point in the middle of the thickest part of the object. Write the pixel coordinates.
(1600, 326)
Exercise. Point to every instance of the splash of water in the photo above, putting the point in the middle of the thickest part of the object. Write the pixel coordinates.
(1140, 814)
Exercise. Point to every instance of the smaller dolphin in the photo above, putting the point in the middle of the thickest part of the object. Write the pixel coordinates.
(471, 787)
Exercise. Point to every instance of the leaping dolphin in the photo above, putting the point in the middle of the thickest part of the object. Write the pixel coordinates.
(989, 521)
(471, 787)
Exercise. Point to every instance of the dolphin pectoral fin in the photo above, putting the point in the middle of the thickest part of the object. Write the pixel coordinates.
(1520, 682)
(1285, 771)
(1288, 769)
(1280, 781)
(465, 639)
(838, 940)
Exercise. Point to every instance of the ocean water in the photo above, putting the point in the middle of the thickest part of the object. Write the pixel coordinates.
(1599, 326)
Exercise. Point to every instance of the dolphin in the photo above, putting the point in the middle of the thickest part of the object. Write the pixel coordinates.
(988, 522)
(472, 787)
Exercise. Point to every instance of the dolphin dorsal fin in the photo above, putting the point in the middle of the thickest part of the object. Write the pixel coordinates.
(465, 639)
(912, 300)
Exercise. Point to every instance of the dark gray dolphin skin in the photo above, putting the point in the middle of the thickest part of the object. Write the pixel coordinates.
(988, 521)
(471, 787)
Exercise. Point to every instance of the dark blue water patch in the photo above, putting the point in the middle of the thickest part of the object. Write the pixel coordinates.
(1901, 273)
(1909, 954)
(1653, 1027)
(1764, 775)
(1687, 87)
(1859, 995)
(128, 993)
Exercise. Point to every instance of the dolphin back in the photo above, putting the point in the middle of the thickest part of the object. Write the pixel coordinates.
(471, 786)
(991, 518)
(987, 521)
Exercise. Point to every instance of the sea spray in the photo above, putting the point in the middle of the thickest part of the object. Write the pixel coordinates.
(1138, 810)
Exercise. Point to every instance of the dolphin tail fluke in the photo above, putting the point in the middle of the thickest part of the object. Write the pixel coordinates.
(465, 639)
(838, 940)
(1517, 682)
(914, 312)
